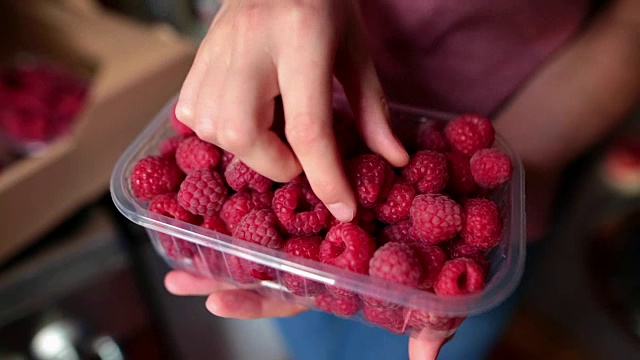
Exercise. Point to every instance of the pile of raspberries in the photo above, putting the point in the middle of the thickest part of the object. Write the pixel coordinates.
(427, 225)
(38, 102)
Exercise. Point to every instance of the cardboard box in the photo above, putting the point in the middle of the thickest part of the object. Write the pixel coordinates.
(134, 69)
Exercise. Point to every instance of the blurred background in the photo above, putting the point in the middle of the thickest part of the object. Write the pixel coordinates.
(79, 79)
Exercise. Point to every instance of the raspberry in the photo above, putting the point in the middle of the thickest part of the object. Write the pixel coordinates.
(349, 247)
(176, 248)
(212, 259)
(458, 248)
(435, 218)
(215, 223)
(397, 204)
(194, 154)
(398, 232)
(344, 306)
(390, 319)
(431, 258)
(153, 176)
(469, 133)
(260, 227)
(241, 177)
(461, 181)
(490, 168)
(418, 319)
(239, 205)
(299, 210)
(307, 247)
(235, 208)
(203, 192)
(169, 146)
(372, 177)
(167, 205)
(431, 136)
(262, 200)
(178, 126)
(225, 160)
(481, 225)
(396, 262)
(247, 272)
(459, 277)
(428, 171)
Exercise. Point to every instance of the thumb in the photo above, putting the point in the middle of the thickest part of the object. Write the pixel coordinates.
(424, 349)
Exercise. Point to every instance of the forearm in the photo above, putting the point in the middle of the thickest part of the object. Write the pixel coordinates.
(580, 94)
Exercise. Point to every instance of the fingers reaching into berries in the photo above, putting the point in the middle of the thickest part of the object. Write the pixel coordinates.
(228, 95)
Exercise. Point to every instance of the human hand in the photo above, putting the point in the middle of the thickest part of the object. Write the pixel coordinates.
(225, 300)
(256, 50)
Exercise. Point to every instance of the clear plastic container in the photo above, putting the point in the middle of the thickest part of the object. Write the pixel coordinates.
(410, 311)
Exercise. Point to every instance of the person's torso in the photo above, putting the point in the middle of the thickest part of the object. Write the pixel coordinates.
(464, 55)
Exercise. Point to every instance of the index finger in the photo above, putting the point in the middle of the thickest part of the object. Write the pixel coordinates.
(305, 85)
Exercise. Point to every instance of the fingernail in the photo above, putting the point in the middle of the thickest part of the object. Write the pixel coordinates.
(341, 211)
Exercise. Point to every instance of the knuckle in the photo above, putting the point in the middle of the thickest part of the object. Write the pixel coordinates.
(235, 139)
(205, 130)
(250, 18)
(305, 130)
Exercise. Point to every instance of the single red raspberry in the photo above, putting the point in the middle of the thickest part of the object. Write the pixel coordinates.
(428, 171)
(178, 126)
(481, 224)
(431, 136)
(458, 248)
(435, 218)
(469, 133)
(215, 223)
(459, 277)
(418, 319)
(241, 203)
(397, 263)
(169, 146)
(247, 272)
(154, 175)
(262, 200)
(397, 204)
(372, 177)
(194, 154)
(176, 248)
(203, 192)
(241, 177)
(235, 208)
(344, 306)
(225, 160)
(398, 232)
(307, 247)
(167, 205)
(432, 259)
(299, 210)
(213, 261)
(260, 227)
(461, 181)
(389, 319)
(490, 168)
(349, 247)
